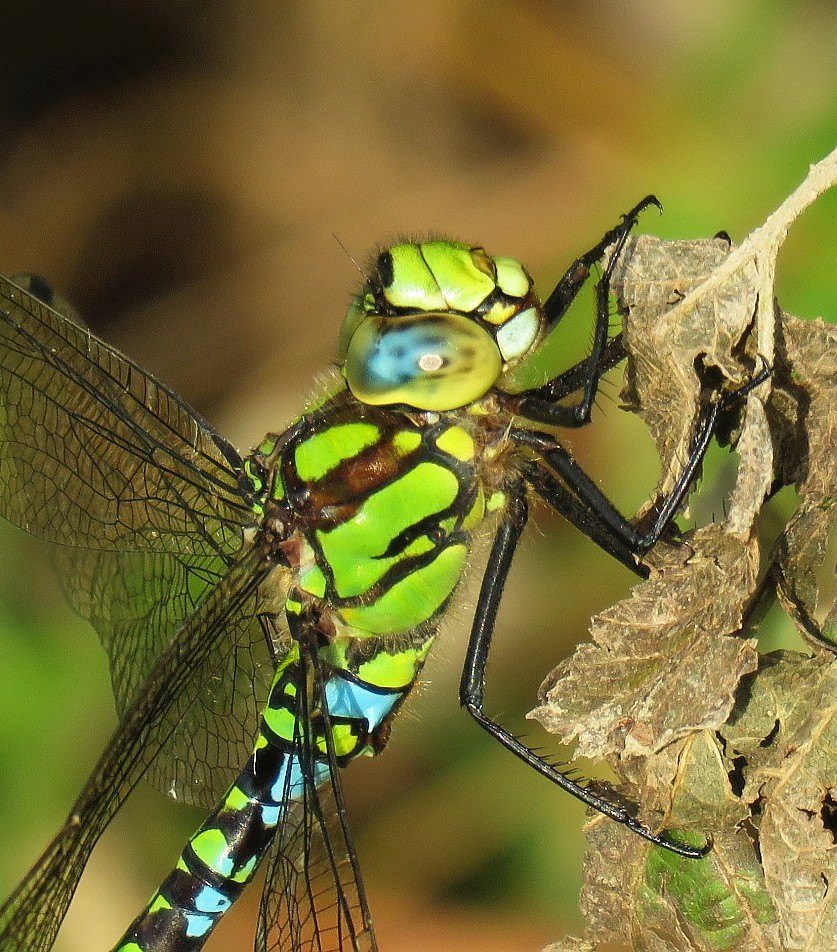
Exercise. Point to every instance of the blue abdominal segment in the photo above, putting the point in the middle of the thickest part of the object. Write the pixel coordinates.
(224, 854)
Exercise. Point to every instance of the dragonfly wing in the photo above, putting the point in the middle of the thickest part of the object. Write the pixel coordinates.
(31, 917)
(95, 453)
(143, 500)
(137, 601)
(313, 899)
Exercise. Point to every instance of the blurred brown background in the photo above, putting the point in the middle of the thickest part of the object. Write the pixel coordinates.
(181, 171)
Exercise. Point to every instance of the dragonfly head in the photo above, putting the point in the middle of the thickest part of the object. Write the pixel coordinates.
(437, 325)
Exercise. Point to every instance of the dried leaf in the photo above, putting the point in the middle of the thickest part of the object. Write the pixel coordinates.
(804, 415)
(770, 704)
(662, 663)
(571, 944)
(755, 471)
(668, 691)
(651, 277)
(654, 900)
(790, 774)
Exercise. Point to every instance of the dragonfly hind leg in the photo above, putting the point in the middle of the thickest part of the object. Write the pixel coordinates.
(472, 685)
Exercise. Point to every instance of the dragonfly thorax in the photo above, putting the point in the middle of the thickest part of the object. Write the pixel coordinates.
(379, 508)
(437, 325)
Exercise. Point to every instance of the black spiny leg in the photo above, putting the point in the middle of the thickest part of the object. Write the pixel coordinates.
(581, 515)
(596, 516)
(573, 379)
(472, 685)
(565, 291)
(542, 405)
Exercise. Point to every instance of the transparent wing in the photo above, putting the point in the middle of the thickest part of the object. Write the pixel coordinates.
(142, 498)
(313, 899)
(137, 601)
(95, 453)
(31, 917)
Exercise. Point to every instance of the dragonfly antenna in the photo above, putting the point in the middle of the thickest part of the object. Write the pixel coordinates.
(362, 273)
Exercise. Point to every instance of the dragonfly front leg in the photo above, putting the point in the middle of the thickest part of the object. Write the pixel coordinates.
(542, 405)
(472, 685)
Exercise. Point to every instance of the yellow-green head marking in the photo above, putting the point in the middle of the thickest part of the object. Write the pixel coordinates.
(437, 325)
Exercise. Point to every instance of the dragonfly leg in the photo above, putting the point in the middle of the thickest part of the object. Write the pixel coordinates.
(578, 513)
(542, 404)
(472, 685)
(574, 378)
(565, 291)
(596, 507)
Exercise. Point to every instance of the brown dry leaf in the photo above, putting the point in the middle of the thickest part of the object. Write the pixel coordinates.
(662, 663)
(571, 943)
(651, 277)
(664, 671)
(651, 899)
(798, 428)
(787, 734)
(803, 413)
(770, 705)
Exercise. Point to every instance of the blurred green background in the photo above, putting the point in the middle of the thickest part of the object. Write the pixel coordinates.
(180, 171)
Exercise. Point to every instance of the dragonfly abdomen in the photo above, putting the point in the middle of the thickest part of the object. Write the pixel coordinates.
(222, 857)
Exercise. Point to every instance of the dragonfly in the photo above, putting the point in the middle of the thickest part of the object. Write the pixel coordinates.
(267, 615)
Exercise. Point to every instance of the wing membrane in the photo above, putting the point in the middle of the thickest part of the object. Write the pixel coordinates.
(137, 601)
(142, 498)
(313, 899)
(95, 453)
(31, 917)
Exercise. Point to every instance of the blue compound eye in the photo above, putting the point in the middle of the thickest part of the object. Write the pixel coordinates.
(428, 361)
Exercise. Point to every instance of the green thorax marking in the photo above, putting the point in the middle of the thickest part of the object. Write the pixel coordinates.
(356, 550)
(385, 508)
(321, 452)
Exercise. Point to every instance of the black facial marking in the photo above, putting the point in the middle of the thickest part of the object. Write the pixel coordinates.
(385, 269)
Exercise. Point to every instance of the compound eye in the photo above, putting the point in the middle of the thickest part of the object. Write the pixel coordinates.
(355, 314)
(431, 361)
